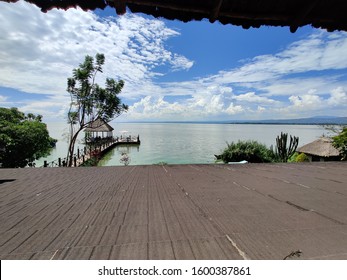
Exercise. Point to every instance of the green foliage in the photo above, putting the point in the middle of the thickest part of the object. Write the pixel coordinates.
(301, 158)
(23, 138)
(340, 143)
(89, 101)
(284, 152)
(333, 129)
(161, 163)
(298, 157)
(90, 162)
(252, 151)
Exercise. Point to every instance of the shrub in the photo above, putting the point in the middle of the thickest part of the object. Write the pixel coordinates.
(340, 143)
(301, 158)
(252, 151)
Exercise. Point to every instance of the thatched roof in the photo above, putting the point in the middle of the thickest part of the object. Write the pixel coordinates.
(99, 125)
(327, 14)
(321, 147)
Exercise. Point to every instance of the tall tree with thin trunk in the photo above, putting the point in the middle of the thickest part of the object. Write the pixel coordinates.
(89, 101)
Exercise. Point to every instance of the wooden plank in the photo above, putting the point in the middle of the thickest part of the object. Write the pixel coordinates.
(180, 212)
(132, 251)
(160, 251)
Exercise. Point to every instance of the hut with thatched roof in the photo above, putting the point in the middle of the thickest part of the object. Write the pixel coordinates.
(321, 149)
(99, 126)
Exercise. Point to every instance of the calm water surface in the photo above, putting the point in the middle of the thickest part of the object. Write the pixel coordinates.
(181, 143)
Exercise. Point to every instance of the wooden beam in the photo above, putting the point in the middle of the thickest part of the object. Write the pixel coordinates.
(170, 6)
(216, 13)
(215, 10)
(206, 12)
(120, 6)
(302, 14)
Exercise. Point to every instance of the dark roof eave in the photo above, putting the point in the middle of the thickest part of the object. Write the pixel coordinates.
(293, 13)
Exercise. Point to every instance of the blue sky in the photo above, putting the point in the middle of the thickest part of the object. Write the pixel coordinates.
(194, 71)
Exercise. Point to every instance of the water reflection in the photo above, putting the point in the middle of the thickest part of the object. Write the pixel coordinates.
(113, 157)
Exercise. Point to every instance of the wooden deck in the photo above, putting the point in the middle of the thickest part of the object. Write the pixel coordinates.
(253, 211)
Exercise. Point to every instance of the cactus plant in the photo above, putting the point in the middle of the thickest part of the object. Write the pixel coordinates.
(284, 152)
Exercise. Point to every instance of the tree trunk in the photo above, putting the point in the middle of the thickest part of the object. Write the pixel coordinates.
(72, 147)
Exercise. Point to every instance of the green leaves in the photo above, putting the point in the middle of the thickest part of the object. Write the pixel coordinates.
(23, 138)
(340, 142)
(100, 60)
(89, 100)
(251, 151)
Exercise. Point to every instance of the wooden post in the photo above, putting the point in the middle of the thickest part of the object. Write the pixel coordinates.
(83, 158)
(75, 161)
(78, 152)
(59, 162)
(45, 163)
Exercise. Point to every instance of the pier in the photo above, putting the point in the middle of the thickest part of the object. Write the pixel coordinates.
(96, 148)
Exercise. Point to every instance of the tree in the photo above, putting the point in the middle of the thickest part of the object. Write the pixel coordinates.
(284, 152)
(251, 151)
(23, 138)
(89, 101)
(340, 142)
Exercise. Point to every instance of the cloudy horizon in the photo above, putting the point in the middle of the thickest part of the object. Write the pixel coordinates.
(172, 71)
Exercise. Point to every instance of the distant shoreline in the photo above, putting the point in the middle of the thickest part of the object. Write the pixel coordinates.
(341, 121)
(289, 123)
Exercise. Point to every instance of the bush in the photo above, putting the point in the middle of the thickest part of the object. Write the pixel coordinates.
(23, 138)
(301, 158)
(252, 151)
(93, 161)
(340, 143)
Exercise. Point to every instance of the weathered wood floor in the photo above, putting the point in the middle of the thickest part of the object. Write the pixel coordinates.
(254, 211)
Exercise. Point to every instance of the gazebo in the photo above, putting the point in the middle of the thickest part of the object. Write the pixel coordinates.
(321, 149)
(99, 126)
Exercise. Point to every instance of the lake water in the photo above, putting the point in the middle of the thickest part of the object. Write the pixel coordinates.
(182, 143)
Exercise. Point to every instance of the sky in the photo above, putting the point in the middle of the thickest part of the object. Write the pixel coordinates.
(173, 71)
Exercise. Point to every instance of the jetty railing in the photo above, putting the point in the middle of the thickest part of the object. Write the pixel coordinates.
(94, 148)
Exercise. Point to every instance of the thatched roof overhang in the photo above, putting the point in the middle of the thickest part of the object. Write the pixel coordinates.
(322, 147)
(98, 126)
(327, 14)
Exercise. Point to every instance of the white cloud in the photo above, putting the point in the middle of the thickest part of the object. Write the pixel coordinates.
(260, 109)
(234, 109)
(307, 101)
(310, 103)
(301, 71)
(151, 107)
(3, 98)
(180, 62)
(51, 108)
(300, 85)
(210, 103)
(251, 97)
(317, 52)
(39, 50)
(338, 97)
